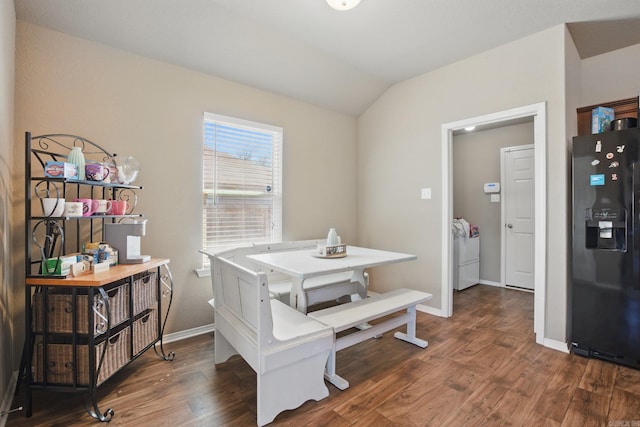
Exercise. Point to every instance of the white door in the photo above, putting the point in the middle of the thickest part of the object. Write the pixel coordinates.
(518, 215)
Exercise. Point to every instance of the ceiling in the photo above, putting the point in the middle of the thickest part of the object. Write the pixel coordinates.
(338, 60)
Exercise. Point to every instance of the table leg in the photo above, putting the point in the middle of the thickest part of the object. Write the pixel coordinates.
(362, 279)
(297, 297)
(363, 284)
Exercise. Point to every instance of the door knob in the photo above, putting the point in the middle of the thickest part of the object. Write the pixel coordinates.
(509, 225)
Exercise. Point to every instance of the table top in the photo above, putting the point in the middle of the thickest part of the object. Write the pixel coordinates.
(303, 264)
(114, 273)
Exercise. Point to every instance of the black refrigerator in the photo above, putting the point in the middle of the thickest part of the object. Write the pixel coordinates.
(605, 276)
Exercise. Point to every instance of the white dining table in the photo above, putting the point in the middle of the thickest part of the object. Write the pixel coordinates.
(305, 264)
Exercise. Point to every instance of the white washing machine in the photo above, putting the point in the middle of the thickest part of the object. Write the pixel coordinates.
(466, 262)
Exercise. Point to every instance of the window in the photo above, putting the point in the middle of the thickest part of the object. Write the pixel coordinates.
(242, 182)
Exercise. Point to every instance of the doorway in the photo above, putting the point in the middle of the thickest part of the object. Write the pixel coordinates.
(538, 113)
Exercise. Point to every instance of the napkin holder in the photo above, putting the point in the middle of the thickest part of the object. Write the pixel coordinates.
(332, 251)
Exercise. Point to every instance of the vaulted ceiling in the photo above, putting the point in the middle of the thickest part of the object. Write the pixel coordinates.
(338, 60)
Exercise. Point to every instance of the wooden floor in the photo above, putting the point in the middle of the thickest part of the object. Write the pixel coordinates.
(481, 368)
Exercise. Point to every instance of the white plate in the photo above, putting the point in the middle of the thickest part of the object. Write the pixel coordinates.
(317, 255)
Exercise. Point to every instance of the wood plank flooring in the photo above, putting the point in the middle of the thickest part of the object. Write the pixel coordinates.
(481, 368)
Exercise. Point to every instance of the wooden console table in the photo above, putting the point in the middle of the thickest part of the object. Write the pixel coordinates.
(92, 326)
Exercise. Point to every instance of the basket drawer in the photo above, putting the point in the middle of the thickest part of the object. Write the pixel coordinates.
(117, 354)
(145, 292)
(145, 331)
(60, 367)
(60, 311)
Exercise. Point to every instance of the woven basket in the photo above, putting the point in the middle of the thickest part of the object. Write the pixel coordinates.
(60, 311)
(60, 367)
(145, 331)
(145, 292)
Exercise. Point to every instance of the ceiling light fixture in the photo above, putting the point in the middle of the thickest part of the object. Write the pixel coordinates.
(343, 4)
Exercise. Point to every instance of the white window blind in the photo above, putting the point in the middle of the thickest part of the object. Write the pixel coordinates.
(242, 182)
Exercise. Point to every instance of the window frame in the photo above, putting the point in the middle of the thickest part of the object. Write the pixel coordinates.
(276, 169)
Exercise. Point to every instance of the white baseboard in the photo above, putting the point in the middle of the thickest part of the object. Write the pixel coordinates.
(555, 345)
(8, 398)
(490, 283)
(188, 333)
(429, 310)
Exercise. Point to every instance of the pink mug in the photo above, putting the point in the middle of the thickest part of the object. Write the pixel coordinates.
(89, 206)
(118, 207)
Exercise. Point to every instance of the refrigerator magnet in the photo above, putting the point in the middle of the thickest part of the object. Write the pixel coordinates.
(614, 177)
(598, 146)
(614, 165)
(595, 180)
(596, 162)
(609, 156)
(620, 148)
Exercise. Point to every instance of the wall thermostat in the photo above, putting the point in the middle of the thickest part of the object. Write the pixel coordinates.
(492, 187)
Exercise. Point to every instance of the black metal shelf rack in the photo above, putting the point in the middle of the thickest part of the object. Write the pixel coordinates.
(80, 331)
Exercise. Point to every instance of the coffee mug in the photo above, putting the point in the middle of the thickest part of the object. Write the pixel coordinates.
(113, 174)
(118, 207)
(96, 172)
(112, 169)
(72, 209)
(89, 206)
(52, 206)
(103, 206)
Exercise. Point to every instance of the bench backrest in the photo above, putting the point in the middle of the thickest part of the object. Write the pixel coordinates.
(244, 294)
(240, 298)
(238, 255)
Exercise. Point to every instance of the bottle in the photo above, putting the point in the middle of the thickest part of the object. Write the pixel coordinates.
(77, 158)
(332, 237)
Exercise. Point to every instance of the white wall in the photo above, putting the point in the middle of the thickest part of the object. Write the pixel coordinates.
(602, 82)
(136, 106)
(7, 63)
(573, 93)
(399, 152)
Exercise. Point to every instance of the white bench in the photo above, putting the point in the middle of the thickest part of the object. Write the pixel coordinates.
(287, 350)
(353, 314)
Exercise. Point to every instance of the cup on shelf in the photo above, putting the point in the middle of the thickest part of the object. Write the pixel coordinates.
(118, 207)
(52, 206)
(112, 175)
(72, 209)
(103, 206)
(96, 172)
(89, 206)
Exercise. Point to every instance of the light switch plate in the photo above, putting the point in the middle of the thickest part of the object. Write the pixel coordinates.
(426, 193)
(495, 198)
